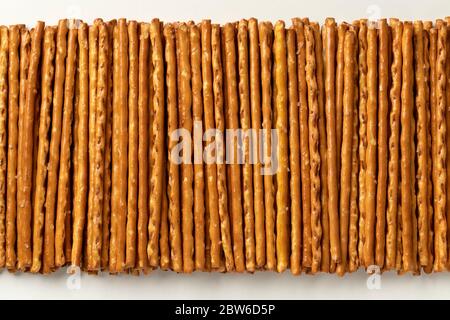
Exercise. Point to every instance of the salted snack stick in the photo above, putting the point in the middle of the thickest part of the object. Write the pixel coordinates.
(245, 121)
(185, 122)
(233, 123)
(382, 152)
(314, 152)
(225, 227)
(133, 166)
(25, 149)
(44, 125)
(330, 115)
(4, 47)
(362, 63)
(422, 145)
(197, 115)
(212, 209)
(80, 179)
(304, 144)
(441, 154)
(294, 151)
(447, 76)
(173, 185)
(13, 116)
(265, 43)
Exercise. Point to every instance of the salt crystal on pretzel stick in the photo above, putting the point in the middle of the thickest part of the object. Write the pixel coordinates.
(247, 172)
(255, 104)
(13, 116)
(394, 145)
(197, 115)
(313, 149)
(211, 169)
(330, 115)
(294, 151)
(81, 151)
(233, 123)
(173, 184)
(347, 145)
(405, 146)
(304, 143)
(281, 125)
(220, 156)
(63, 203)
(157, 137)
(4, 47)
(383, 128)
(441, 154)
(185, 122)
(265, 43)
(422, 137)
(133, 137)
(25, 149)
(44, 125)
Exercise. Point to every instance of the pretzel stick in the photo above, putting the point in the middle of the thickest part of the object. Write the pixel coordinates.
(447, 75)
(294, 151)
(208, 103)
(421, 143)
(164, 248)
(197, 113)
(314, 149)
(265, 42)
(439, 220)
(13, 115)
(81, 152)
(304, 143)
(44, 124)
(25, 149)
(219, 138)
(207, 228)
(132, 145)
(4, 47)
(173, 187)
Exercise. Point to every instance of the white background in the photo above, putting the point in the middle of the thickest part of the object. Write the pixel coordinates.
(262, 285)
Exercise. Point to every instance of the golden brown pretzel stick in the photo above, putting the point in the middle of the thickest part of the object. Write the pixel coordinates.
(294, 151)
(265, 43)
(220, 147)
(353, 259)
(25, 149)
(347, 145)
(405, 146)
(143, 191)
(304, 143)
(233, 123)
(447, 76)
(185, 122)
(330, 115)
(44, 125)
(440, 196)
(81, 152)
(212, 208)
(157, 138)
(383, 127)
(197, 115)
(173, 186)
(281, 125)
(63, 204)
(4, 47)
(164, 261)
(422, 136)
(133, 137)
(313, 149)
(13, 115)
(394, 155)
(207, 228)
(362, 63)
(247, 172)
(371, 152)
(255, 104)
(341, 30)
